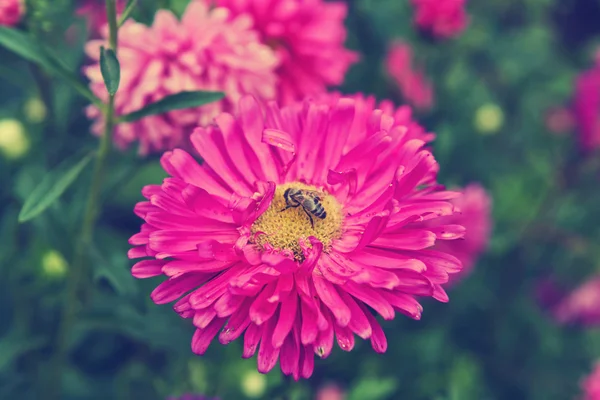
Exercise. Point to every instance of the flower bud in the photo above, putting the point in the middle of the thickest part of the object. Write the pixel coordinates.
(14, 142)
(54, 265)
(489, 118)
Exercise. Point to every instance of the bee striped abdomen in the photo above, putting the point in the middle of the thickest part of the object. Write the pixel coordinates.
(319, 211)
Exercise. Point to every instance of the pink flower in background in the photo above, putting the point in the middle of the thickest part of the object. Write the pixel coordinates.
(442, 18)
(308, 36)
(587, 108)
(94, 11)
(413, 85)
(205, 51)
(559, 120)
(330, 392)
(591, 384)
(473, 211)
(290, 238)
(11, 12)
(580, 306)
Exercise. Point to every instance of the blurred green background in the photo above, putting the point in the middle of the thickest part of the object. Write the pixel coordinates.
(493, 86)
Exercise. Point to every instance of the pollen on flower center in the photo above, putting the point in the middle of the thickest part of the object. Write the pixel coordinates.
(281, 228)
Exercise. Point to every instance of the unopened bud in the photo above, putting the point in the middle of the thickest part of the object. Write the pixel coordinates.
(14, 142)
(489, 118)
(254, 384)
(53, 264)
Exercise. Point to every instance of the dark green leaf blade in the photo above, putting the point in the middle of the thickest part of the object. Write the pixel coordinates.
(174, 102)
(53, 186)
(111, 70)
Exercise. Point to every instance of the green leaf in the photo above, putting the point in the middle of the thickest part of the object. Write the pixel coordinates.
(53, 186)
(174, 102)
(128, 10)
(21, 44)
(111, 70)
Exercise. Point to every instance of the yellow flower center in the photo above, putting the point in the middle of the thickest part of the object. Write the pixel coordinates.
(283, 227)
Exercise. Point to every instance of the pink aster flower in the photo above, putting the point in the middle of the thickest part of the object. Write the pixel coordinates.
(591, 384)
(308, 36)
(441, 18)
(94, 11)
(289, 238)
(204, 51)
(11, 12)
(411, 82)
(587, 108)
(330, 391)
(473, 211)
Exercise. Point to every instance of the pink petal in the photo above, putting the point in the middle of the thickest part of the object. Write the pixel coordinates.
(251, 339)
(345, 337)
(308, 364)
(324, 343)
(407, 239)
(372, 298)
(289, 356)
(180, 164)
(253, 125)
(262, 310)
(204, 317)
(341, 120)
(147, 268)
(212, 290)
(237, 323)
(378, 340)
(309, 329)
(203, 337)
(174, 288)
(267, 354)
(280, 139)
(287, 317)
(228, 304)
(404, 303)
(331, 298)
(213, 250)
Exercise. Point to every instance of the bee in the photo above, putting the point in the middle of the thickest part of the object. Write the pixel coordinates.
(307, 199)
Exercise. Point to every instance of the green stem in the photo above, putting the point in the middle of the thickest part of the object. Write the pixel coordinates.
(78, 270)
(111, 15)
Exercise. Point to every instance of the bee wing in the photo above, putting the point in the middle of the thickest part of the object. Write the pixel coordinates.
(313, 193)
